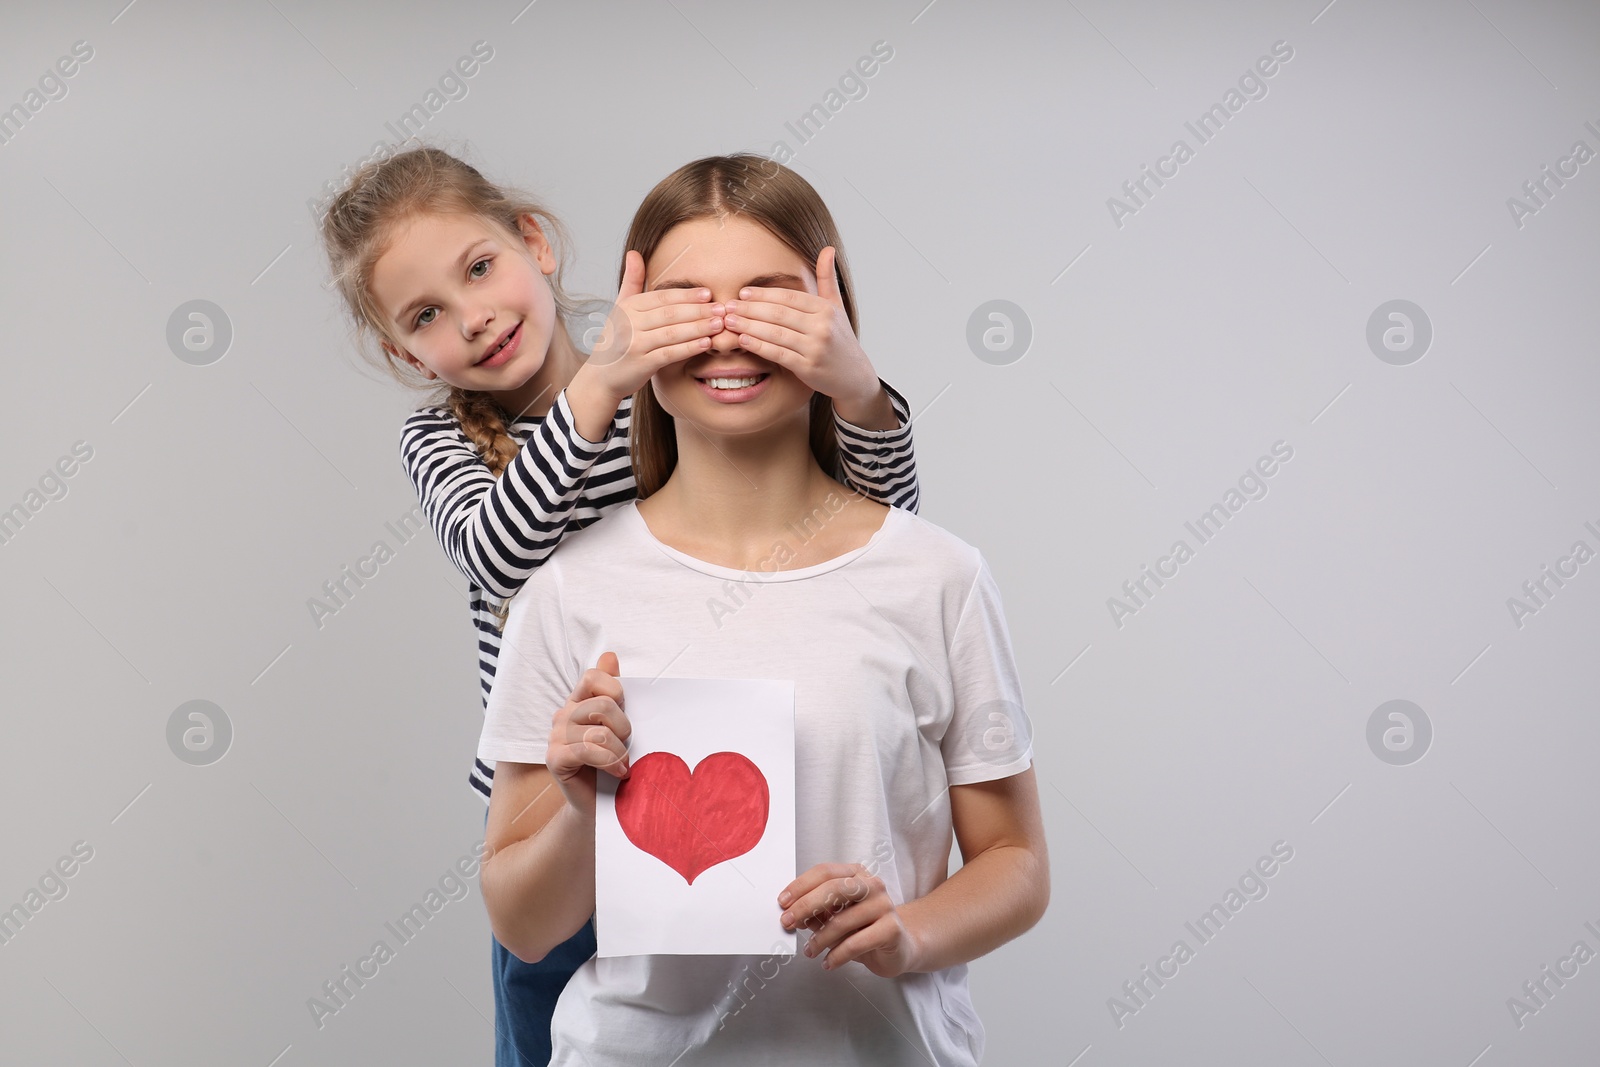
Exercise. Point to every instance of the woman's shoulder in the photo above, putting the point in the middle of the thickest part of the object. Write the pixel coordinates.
(604, 548)
(928, 547)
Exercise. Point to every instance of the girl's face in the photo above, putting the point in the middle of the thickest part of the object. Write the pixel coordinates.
(466, 304)
(725, 255)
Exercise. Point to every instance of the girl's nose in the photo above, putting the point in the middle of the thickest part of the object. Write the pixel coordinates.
(476, 321)
(725, 340)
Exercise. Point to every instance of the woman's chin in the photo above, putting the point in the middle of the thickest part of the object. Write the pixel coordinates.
(721, 421)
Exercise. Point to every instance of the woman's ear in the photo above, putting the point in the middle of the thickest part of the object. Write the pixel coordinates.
(538, 244)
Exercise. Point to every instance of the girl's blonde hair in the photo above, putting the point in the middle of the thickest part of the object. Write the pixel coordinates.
(361, 225)
(768, 193)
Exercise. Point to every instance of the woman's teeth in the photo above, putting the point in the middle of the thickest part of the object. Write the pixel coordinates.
(733, 383)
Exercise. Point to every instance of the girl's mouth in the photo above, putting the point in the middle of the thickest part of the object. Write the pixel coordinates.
(506, 349)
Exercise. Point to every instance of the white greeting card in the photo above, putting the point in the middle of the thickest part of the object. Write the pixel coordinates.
(694, 846)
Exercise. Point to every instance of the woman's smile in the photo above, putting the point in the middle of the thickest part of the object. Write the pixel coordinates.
(733, 387)
(726, 255)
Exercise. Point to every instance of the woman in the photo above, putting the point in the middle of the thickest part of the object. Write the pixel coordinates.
(744, 557)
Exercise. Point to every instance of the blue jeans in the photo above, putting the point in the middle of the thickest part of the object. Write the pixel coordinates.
(525, 997)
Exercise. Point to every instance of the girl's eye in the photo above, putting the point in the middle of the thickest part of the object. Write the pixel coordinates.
(484, 263)
(425, 316)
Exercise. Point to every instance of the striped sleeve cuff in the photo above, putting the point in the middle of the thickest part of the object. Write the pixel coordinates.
(881, 463)
(562, 411)
(849, 432)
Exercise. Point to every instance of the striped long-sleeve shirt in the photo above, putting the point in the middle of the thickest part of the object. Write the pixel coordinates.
(497, 531)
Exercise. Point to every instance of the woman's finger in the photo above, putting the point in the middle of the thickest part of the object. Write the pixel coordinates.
(599, 680)
(602, 750)
(878, 941)
(577, 743)
(823, 890)
(601, 711)
(811, 877)
(597, 747)
(846, 921)
(597, 700)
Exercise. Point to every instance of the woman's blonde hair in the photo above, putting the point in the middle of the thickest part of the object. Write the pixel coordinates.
(768, 193)
(361, 225)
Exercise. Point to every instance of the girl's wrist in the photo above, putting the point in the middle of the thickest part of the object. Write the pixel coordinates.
(594, 407)
(870, 410)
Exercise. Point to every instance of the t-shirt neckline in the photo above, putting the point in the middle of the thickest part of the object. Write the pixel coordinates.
(891, 522)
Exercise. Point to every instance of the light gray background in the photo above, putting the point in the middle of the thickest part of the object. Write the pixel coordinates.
(1168, 354)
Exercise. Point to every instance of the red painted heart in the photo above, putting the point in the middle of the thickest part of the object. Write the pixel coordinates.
(692, 822)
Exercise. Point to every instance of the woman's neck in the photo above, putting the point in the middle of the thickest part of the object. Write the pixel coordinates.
(730, 499)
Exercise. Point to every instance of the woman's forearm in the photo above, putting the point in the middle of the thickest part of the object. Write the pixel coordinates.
(540, 891)
(999, 895)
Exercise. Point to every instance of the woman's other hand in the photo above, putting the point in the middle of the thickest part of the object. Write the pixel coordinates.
(851, 918)
(590, 733)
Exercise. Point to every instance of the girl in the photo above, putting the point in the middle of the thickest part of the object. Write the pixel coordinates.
(908, 722)
(525, 439)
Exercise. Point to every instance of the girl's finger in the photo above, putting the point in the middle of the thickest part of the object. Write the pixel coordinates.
(786, 358)
(666, 357)
(766, 330)
(656, 298)
(828, 277)
(632, 275)
(676, 312)
(794, 298)
(769, 311)
(678, 333)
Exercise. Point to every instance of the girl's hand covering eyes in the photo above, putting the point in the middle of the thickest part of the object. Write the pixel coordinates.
(590, 731)
(810, 336)
(647, 331)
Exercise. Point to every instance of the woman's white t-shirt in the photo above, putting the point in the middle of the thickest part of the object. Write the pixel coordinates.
(905, 684)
